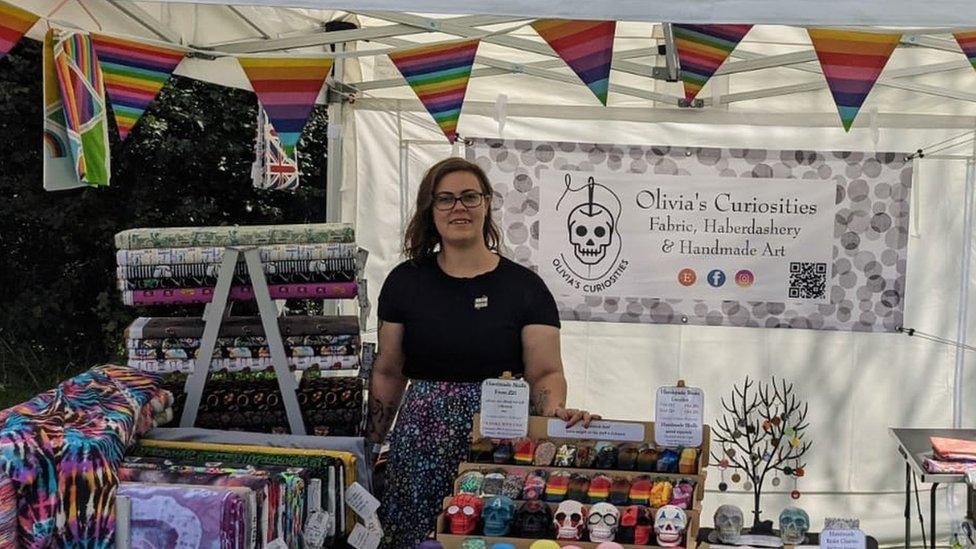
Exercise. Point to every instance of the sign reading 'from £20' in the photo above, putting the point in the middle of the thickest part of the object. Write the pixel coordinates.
(685, 237)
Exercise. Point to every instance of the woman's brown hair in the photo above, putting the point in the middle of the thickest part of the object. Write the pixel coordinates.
(421, 238)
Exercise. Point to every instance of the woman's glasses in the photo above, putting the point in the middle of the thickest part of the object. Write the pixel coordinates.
(446, 201)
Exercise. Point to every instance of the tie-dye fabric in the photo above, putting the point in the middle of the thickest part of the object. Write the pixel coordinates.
(8, 513)
(177, 516)
(62, 448)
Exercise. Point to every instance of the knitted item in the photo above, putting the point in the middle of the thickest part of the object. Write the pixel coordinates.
(619, 491)
(599, 489)
(647, 459)
(557, 486)
(688, 461)
(524, 451)
(640, 490)
(545, 452)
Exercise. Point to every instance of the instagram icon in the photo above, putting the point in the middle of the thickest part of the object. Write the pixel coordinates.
(745, 278)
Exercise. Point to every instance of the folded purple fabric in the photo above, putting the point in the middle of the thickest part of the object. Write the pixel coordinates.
(179, 516)
(170, 296)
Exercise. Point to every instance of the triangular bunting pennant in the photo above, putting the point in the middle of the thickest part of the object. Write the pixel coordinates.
(851, 63)
(134, 73)
(586, 46)
(967, 41)
(58, 169)
(14, 22)
(439, 76)
(701, 51)
(287, 89)
(83, 96)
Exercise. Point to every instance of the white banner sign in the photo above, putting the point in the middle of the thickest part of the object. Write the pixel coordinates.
(686, 237)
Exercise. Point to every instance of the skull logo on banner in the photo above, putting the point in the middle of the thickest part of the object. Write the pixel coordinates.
(592, 228)
(570, 520)
(669, 525)
(794, 523)
(464, 513)
(602, 522)
(728, 523)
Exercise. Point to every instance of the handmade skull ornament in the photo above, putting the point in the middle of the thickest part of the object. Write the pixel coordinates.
(464, 513)
(669, 525)
(533, 520)
(794, 523)
(570, 520)
(602, 522)
(498, 514)
(728, 523)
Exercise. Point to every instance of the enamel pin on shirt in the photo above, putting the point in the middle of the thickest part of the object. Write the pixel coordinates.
(480, 302)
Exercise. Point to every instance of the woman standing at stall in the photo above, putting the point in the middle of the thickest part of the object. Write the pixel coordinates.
(452, 315)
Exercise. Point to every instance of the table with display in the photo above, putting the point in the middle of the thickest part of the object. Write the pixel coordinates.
(914, 446)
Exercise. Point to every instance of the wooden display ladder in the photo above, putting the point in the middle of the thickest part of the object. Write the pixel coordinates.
(214, 316)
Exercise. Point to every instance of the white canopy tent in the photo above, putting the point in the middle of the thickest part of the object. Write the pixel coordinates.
(770, 94)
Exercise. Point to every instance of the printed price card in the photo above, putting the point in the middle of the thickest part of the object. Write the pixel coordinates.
(679, 416)
(504, 408)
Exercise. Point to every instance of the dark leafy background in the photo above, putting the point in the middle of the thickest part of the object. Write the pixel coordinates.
(187, 162)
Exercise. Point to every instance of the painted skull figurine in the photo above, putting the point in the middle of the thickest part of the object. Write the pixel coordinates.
(498, 514)
(533, 520)
(464, 513)
(602, 522)
(570, 520)
(669, 525)
(728, 523)
(794, 523)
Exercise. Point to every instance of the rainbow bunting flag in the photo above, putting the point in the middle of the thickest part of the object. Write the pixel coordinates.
(83, 97)
(701, 51)
(439, 76)
(14, 22)
(851, 63)
(586, 46)
(58, 169)
(967, 41)
(287, 89)
(134, 73)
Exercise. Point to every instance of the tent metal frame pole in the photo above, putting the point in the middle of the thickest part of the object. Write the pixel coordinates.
(318, 37)
(962, 323)
(141, 16)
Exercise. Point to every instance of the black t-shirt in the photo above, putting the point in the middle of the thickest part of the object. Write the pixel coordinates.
(464, 329)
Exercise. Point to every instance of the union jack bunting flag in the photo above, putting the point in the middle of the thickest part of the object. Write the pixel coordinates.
(272, 169)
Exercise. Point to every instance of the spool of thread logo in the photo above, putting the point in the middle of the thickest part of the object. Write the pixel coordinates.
(687, 277)
(745, 278)
(716, 278)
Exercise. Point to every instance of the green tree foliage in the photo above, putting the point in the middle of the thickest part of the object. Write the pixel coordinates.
(187, 162)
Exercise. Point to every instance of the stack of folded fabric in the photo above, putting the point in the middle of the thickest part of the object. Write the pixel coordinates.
(181, 265)
(951, 455)
(170, 344)
(331, 406)
(62, 450)
(280, 487)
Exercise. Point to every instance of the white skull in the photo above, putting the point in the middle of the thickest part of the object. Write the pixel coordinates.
(728, 522)
(570, 520)
(669, 525)
(590, 231)
(602, 521)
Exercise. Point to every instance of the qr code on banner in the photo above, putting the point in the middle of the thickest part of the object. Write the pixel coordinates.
(808, 280)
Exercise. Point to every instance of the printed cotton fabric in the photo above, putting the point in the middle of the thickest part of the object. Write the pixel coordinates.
(163, 327)
(164, 517)
(61, 451)
(176, 296)
(255, 235)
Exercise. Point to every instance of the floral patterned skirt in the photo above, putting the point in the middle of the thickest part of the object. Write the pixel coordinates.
(430, 439)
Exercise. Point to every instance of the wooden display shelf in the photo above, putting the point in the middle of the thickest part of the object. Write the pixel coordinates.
(629, 475)
(453, 540)
(539, 430)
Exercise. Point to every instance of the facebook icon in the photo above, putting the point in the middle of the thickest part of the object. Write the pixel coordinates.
(716, 278)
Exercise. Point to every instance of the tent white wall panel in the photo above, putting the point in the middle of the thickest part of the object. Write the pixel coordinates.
(857, 384)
